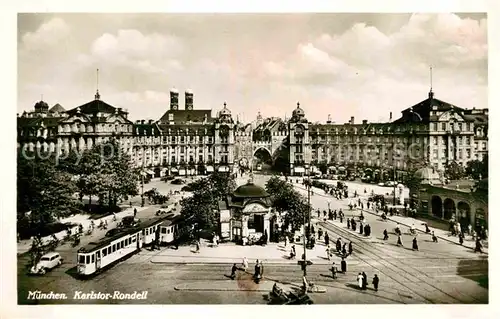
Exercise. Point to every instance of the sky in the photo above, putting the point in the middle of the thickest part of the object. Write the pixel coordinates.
(361, 65)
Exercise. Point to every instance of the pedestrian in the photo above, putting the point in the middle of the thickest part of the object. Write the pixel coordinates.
(320, 233)
(341, 218)
(434, 238)
(469, 229)
(415, 244)
(348, 223)
(400, 242)
(360, 281)
(344, 251)
(135, 212)
(360, 228)
(478, 246)
(368, 230)
(375, 282)
(353, 224)
(334, 271)
(233, 271)
(365, 280)
(461, 238)
(386, 236)
(328, 252)
(245, 263)
(327, 239)
(319, 214)
(335, 214)
(343, 265)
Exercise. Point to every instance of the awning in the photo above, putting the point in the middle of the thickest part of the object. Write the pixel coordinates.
(210, 168)
(173, 169)
(299, 170)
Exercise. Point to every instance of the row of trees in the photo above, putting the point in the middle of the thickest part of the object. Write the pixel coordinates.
(476, 169)
(47, 183)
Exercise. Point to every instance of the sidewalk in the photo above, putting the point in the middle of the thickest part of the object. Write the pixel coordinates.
(24, 245)
(419, 226)
(242, 282)
(228, 253)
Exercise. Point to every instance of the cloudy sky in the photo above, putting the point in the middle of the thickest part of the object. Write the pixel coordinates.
(361, 65)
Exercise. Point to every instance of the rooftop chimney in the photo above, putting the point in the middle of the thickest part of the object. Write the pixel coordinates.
(189, 99)
(174, 99)
(352, 120)
(150, 121)
(365, 122)
(390, 116)
(142, 121)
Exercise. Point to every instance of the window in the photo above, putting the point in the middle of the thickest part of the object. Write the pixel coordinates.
(164, 230)
(200, 158)
(81, 259)
(170, 117)
(93, 257)
(459, 126)
(98, 254)
(443, 126)
(468, 153)
(104, 252)
(87, 259)
(147, 231)
(109, 250)
(133, 239)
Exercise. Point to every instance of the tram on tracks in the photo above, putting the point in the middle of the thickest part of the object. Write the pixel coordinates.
(96, 256)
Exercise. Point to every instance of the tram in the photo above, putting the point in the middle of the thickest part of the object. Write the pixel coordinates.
(95, 256)
(168, 229)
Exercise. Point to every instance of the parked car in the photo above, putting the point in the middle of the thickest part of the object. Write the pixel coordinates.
(390, 183)
(112, 232)
(48, 262)
(129, 221)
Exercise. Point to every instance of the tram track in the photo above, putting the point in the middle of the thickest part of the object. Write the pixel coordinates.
(366, 248)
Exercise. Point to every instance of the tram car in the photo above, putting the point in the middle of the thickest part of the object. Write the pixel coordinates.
(150, 229)
(168, 228)
(98, 255)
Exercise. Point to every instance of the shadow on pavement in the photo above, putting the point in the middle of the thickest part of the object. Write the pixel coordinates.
(470, 268)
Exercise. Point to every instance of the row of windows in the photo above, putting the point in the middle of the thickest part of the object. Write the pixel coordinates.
(457, 127)
(90, 259)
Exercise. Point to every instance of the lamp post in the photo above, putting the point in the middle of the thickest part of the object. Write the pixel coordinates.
(394, 185)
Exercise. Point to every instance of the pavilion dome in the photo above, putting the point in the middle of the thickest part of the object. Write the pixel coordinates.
(298, 112)
(225, 111)
(41, 105)
(427, 175)
(250, 190)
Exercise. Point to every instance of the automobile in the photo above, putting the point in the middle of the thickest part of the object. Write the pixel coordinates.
(112, 232)
(129, 221)
(390, 183)
(47, 262)
(381, 184)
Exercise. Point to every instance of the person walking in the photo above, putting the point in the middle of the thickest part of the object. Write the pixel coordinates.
(469, 229)
(400, 242)
(286, 241)
(343, 266)
(320, 233)
(233, 271)
(460, 238)
(360, 228)
(334, 271)
(245, 263)
(328, 252)
(335, 214)
(353, 224)
(350, 248)
(415, 244)
(479, 246)
(348, 223)
(344, 251)
(365, 280)
(386, 235)
(360, 281)
(375, 282)
(341, 217)
(327, 239)
(434, 238)
(338, 245)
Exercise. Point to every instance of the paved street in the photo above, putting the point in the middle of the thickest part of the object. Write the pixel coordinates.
(438, 273)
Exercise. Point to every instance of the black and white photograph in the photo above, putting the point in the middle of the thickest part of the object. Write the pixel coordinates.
(252, 158)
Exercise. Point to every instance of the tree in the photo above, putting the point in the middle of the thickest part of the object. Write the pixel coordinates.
(42, 189)
(477, 169)
(286, 199)
(454, 171)
(199, 210)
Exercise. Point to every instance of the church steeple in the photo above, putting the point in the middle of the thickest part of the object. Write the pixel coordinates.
(97, 96)
(431, 94)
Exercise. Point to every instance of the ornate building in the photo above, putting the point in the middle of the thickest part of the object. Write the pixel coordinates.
(190, 141)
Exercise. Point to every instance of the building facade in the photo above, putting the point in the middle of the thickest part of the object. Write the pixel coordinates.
(191, 141)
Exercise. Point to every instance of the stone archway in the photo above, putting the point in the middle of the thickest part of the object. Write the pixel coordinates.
(437, 206)
(262, 156)
(463, 214)
(449, 209)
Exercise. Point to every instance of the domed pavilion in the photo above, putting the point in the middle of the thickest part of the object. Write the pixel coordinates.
(246, 213)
